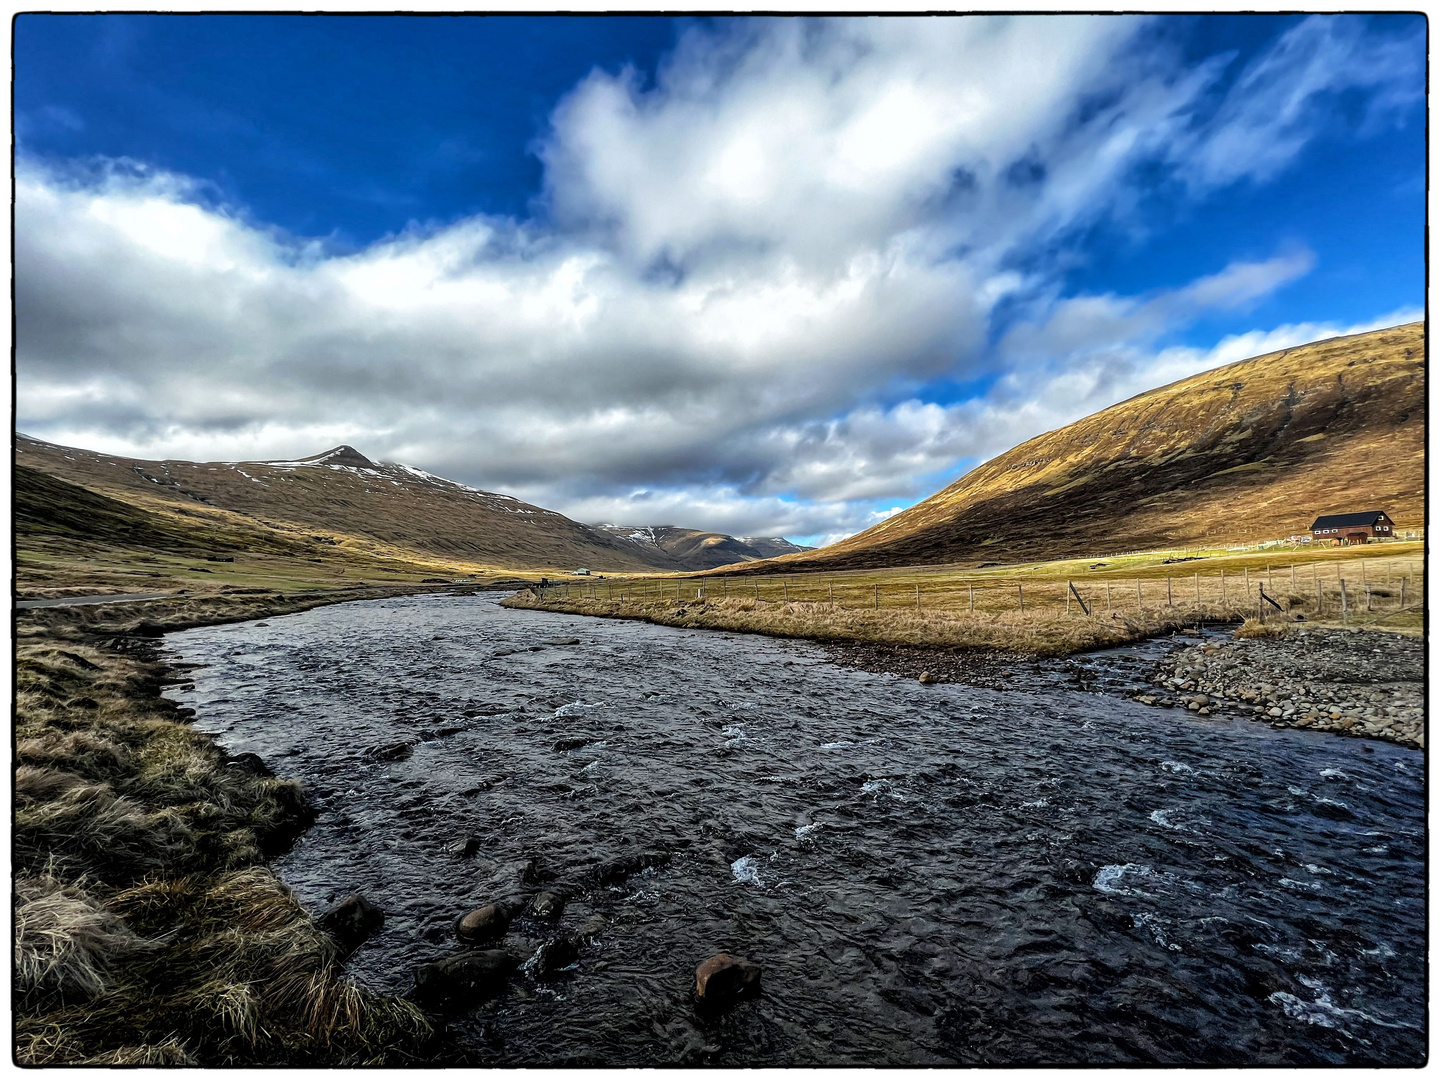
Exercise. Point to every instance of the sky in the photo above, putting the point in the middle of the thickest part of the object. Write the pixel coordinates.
(761, 276)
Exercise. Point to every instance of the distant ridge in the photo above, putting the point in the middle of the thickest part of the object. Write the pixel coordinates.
(1252, 450)
(704, 550)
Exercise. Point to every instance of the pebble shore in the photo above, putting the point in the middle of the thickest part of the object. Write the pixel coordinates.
(1367, 684)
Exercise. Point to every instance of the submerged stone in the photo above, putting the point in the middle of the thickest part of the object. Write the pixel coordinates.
(352, 921)
(465, 979)
(724, 978)
(551, 956)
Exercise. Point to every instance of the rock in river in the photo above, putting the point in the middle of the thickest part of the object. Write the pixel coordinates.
(550, 957)
(617, 870)
(547, 905)
(483, 924)
(399, 751)
(352, 921)
(465, 979)
(725, 978)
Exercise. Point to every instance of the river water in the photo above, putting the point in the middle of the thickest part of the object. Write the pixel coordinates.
(927, 874)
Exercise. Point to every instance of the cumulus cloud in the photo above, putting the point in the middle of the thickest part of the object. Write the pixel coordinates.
(731, 276)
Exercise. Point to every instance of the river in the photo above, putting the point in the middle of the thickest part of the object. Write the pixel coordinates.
(927, 874)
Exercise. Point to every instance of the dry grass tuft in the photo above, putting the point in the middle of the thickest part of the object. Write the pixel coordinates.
(65, 943)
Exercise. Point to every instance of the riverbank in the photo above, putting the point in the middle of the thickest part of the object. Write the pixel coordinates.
(1367, 683)
(149, 928)
(1045, 633)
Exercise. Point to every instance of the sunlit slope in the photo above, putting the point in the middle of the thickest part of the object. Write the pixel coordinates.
(1253, 450)
(343, 492)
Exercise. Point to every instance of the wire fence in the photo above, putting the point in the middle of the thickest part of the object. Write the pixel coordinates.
(1333, 588)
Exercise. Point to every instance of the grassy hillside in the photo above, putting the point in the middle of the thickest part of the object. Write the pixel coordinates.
(1253, 450)
(70, 540)
(343, 493)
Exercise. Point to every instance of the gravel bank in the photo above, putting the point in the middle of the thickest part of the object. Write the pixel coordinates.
(1369, 684)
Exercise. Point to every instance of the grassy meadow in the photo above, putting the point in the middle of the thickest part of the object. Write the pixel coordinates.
(1032, 607)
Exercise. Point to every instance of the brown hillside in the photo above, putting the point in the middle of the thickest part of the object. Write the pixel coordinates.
(343, 492)
(1253, 450)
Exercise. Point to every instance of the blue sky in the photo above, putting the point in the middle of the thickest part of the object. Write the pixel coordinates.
(761, 276)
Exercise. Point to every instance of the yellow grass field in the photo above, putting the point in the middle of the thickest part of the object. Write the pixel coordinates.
(1034, 607)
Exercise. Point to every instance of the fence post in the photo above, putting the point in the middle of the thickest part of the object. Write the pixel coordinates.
(1224, 596)
(832, 594)
(1022, 598)
(1344, 603)
(1067, 600)
(1139, 596)
(785, 584)
(972, 598)
(1319, 597)
(725, 588)
(1402, 593)
(1108, 606)
(1197, 588)
(757, 590)
(1292, 575)
(877, 597)
(1368, 595)
(917, 596)
(1247, 583)
(1169, 593)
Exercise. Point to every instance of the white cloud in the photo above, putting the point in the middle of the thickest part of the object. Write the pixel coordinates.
(732, 271)
(1270, 112)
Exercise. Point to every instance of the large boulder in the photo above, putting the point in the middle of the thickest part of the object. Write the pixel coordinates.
(724, 978)
(352, 921)
(465, 979)
(483, 924)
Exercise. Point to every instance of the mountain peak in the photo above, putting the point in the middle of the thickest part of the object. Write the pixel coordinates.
(342, 455)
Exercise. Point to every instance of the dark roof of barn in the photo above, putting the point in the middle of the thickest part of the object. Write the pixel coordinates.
(1342, 521)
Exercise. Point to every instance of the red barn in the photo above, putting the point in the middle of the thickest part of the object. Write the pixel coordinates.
(1353, 528)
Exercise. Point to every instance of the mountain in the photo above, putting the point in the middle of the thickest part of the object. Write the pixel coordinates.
(1250, 451)
(343, 492)
(697, 550)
